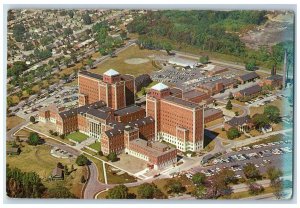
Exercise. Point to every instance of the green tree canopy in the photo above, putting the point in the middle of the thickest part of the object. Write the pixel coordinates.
(149, 191)
(273, 113)
(118, 192)
(199, 178)
(60, 192)
(229, 105)
(82, 160)
(233, 133)
(33, 139)
(251, 171)
(260, 120)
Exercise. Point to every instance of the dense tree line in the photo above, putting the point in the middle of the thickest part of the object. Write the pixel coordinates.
(23, 185)
(29, 185)
(210, 31)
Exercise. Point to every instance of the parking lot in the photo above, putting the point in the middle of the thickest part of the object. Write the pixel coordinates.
(262, 156)
(187, 79)
(66, 96)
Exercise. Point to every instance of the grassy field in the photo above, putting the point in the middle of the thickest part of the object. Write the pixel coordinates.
(118, 63)
(77, 136)
(113, 178)
(215, 122)
(236, 109)
(96, 146)
(39, 160)
(13, 121)
(139, 93)
(278, 103)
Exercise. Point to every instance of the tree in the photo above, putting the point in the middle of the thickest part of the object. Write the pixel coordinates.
(229, 105)
(90, 62)
(100, 153)
(199, 178)
(87, 19)
(112, 157)
(260, 120)
(23, 184)
(175, 186)
(123, 35)
(18, 32)
(32, 119)
(274, 174)
(199, 192)
(251, 171)
(228, 176)
(230, 96)
(233, 133)
(82, 179)
(143, 90)
(33, 139)
(273, 113)
(118, 192)
(62, 136)
(149, 191)
(250, 65)
(204, 59)
(71, 13)
(82, 160)
(60, 192)
(255, 188)
(278, 189)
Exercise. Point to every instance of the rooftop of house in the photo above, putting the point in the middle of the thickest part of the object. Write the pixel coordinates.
(275, 77)
(250, 90)
(249, 76)
(239, 121)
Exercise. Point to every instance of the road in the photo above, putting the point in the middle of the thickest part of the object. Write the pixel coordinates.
(93, 185)
(10, 134)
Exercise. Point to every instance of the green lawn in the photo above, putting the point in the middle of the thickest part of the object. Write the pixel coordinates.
(118, 63)
(77, 136)
(96, 146)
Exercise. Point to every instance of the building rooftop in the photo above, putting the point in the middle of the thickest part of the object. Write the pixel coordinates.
(275, 77)
(182, 61)
(239, 121)
(84, 109)
(211, 111)
(128, 110)
(181, 102)
(150, 150)
(192, 94)
(249, 76)
(250, 90)
(111, 72)
(93, 75)
(159, 87)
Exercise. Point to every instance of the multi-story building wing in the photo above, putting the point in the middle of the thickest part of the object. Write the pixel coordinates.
(116, 90)
(177, 121)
